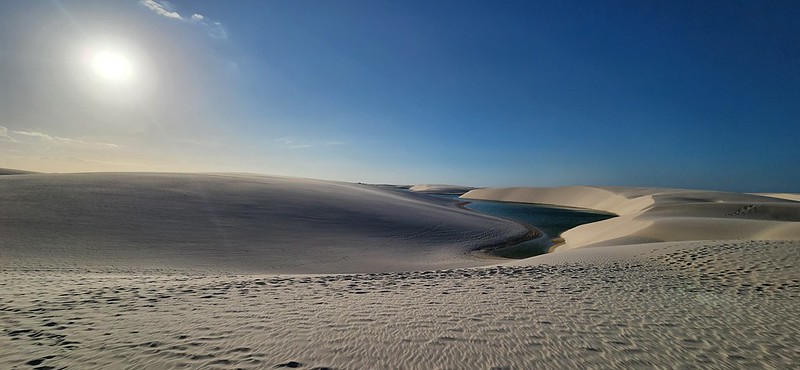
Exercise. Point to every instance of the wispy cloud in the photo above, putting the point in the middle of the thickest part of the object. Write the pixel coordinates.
(91, 161)
(166, 9)
(213, 28)
(4, 134)
(40, 136)
(198, 142)
(162, 8)
(291, 142)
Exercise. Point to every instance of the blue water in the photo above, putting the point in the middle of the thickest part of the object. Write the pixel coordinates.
(550, 220)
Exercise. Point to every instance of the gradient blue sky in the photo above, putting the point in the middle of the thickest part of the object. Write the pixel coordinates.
(698, 94)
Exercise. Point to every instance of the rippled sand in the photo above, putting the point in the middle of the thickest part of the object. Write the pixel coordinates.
(670, 305)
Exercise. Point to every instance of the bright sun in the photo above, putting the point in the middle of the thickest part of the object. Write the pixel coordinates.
(112, 65)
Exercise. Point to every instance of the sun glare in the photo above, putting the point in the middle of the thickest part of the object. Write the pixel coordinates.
(111, 65)
(113, 71)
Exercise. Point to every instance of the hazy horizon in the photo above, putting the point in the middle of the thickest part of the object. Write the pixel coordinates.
(667, 94)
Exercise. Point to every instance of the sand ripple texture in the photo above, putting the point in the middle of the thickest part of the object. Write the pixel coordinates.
(681, 305)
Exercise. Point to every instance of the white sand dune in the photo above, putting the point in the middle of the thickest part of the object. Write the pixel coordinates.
(440, 188)
(138, 271)
(657, 215)
(233, 223)
(788, 196)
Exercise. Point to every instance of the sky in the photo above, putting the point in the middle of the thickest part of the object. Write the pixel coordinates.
(690, 94)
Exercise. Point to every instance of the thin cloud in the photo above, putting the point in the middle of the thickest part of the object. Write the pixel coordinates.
(162, 8)
(4, 135)
(294, 143)
(166, 9)
(203, 143)
(63, 140)
(90, 161)
(286, 140)
(213, 28)
(217, 31)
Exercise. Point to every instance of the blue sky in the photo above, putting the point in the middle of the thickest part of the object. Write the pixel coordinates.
(665, 93)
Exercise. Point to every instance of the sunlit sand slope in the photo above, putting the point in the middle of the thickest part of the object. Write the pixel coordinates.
(788, 196)
(233, 223)
(440, 188)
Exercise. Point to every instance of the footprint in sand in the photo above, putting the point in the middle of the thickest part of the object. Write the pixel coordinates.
(290, 364)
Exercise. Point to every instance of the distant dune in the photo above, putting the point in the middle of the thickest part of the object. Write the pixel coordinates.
(787, 196)
(649, 215)
(440, 189)
(235, 223)
(9, 171)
